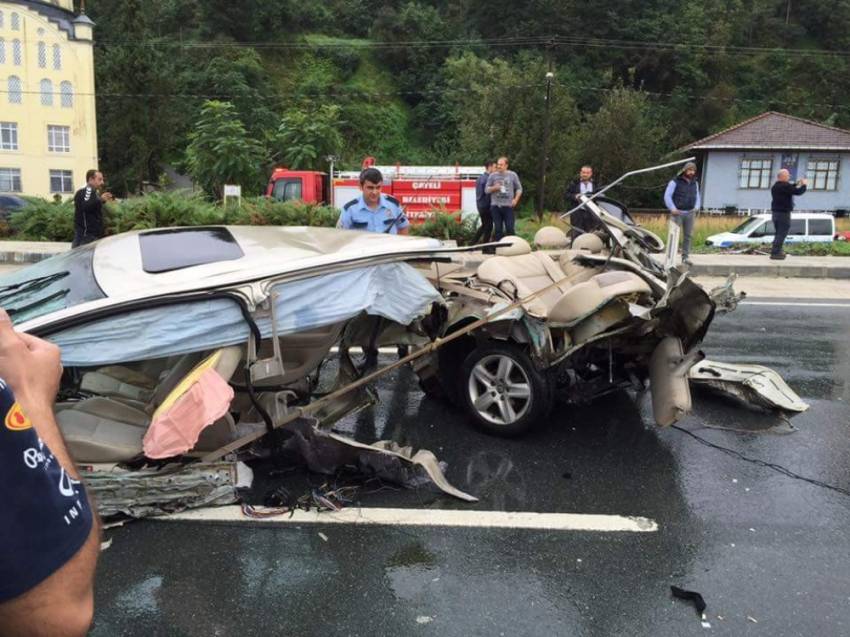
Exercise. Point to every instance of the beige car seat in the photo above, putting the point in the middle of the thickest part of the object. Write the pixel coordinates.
(136, 383)
(103, 429)
(562, 303)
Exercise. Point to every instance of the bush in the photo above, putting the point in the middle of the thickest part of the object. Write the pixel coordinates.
(446, 227)
(42, 220)
(260, 211)
(160, 210)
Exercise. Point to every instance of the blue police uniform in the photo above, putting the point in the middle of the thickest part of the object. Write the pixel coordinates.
(389, 218)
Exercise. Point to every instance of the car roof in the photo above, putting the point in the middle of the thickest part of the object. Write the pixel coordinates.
(120, 263)
(12, 200)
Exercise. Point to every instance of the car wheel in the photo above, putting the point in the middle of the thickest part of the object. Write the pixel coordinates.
(503, 391)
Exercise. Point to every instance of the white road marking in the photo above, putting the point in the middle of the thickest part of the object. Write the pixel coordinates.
(782, 304)
(432, 518)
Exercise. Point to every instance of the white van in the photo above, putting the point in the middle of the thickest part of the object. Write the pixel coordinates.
(805, 227)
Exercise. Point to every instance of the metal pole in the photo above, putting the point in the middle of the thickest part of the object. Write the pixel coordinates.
(547, 117)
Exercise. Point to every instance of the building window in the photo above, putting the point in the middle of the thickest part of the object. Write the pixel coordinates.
(57, 57)
(1, 19)
(2, 51)
(16, 22)
(42, 55)
(8, 136)
(59, 139)
(755, 173)
(17, 53)
(67, 92)
(61, 181)
(822, 174)
(46, 92)
(10, 180)
(14, 86)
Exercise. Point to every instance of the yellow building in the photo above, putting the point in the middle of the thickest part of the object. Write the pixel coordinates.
(48, 137)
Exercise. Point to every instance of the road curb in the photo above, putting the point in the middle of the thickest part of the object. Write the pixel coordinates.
(24, 258)
(779, 271)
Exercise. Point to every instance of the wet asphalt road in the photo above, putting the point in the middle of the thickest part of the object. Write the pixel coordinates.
(770, 554)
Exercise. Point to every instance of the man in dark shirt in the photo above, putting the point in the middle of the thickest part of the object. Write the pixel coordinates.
(782, 204)
(49, 538)
(482, 200)
(88, 210)
(582, 220)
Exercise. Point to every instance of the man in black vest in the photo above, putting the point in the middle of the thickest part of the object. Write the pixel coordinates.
(682, 199)
(782, 204)
(582, 220)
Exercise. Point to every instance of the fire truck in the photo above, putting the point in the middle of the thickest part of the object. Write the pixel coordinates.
(421, 190)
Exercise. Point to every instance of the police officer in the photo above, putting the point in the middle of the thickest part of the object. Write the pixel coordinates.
(374, 211)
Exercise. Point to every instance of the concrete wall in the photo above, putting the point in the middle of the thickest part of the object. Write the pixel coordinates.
(720, 182)
(32, 157)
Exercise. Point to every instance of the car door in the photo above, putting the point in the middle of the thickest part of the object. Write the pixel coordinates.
(763, 233)
(820, 230)
(797, 231)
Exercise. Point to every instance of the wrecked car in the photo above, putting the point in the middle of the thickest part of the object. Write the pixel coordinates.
(605, 312)
(182, 347)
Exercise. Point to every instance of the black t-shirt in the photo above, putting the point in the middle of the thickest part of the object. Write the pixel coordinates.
(88, 212)
(45, 516)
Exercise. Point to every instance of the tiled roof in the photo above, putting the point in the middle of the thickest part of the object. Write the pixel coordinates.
(776, 131)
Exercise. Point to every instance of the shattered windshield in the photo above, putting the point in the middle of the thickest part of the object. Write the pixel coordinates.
(50, 285)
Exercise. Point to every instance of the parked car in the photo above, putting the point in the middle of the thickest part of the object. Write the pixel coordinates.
(10, 204)
(805, 227)
(572, 326)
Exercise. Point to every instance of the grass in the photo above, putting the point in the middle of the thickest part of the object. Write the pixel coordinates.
(706, 225)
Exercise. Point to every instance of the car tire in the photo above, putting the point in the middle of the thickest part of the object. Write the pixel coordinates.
(502, 390)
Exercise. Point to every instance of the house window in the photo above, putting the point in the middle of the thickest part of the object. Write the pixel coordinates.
(61, 181)
(1, 20)
(2, 51)
(16, 22)
(17, 53)
(823, 174)
(755, 173)
(8, 136)
(59, 139)
(10, 180)
(57, 57)
(14, 86)
(42, 55)
(67, 92)
(46, 92)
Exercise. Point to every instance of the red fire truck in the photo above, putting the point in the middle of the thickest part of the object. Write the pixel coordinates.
(420, 189)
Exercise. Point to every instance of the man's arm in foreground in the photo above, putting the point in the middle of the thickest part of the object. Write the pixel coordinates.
(63, 603)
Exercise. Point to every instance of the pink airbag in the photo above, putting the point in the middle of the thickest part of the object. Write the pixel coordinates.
(176, 430)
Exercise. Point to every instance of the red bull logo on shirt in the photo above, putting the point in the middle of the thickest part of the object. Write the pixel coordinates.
(16, 419)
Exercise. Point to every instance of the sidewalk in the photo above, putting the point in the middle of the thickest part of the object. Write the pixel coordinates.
(762, 266)
(23, 252)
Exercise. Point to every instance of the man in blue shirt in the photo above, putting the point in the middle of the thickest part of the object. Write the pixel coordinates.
(374, 211)
(682, 199)
(482, 201)
(49, 539)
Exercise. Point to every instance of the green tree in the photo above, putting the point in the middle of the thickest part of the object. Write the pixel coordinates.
(623, 135)
(222, 152)
(306, 137)
(498, 108)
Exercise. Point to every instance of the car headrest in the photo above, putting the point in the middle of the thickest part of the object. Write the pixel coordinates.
(588, 241)
(518, 246)
(550, 237)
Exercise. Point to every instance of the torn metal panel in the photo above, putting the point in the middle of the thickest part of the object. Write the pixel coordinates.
(753, 384)
(327, 453)
(156, 491)
(668, 370)
(724, 296)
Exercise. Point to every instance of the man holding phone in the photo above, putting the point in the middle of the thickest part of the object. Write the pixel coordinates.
(505, 191)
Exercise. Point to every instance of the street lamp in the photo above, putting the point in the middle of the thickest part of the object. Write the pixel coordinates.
(550, 75)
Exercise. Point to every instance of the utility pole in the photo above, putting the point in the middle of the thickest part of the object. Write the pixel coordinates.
(547, 116)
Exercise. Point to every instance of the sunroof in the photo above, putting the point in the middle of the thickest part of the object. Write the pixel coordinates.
(167, 250)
